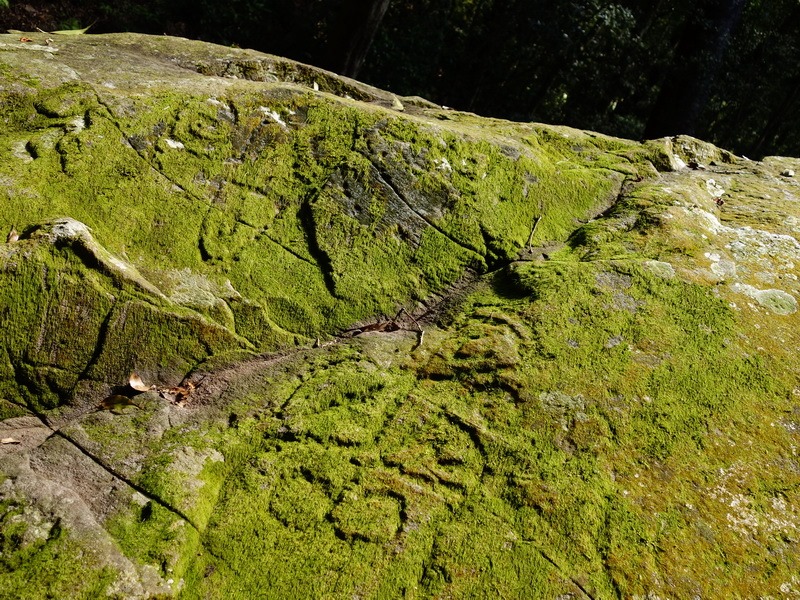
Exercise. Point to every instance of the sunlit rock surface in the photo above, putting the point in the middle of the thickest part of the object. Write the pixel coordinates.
(380, 352)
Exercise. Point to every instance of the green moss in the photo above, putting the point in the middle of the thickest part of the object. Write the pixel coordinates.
(251, 322)
(9, 410)
(600, 419)
(258, 199)
(45, 388)
(46, 563)
(53, 317)
(152, 535)
(168, 343)
(9, 73)
(593, 362)
(374, 519)
(299, 504)
(493, 193)
(67, 100)
(186, 472)
(63, 322)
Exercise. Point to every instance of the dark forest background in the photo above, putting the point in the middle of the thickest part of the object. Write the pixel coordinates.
(727, 71)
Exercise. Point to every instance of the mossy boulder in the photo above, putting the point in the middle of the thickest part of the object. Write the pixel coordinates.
(380, 352)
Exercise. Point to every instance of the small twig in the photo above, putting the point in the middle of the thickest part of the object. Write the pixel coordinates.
(403, 310)
(533, 231)
(419, 339)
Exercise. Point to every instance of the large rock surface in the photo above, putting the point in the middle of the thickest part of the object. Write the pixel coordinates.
(591, 389)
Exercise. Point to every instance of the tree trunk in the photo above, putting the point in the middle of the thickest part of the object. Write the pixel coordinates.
(698, 57)
(354, 33)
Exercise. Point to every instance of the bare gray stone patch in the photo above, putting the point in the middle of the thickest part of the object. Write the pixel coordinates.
(778, 301)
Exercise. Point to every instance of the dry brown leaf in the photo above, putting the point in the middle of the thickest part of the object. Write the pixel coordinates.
(25, 39)
(137, 384)
(178, 395)
(9, 440)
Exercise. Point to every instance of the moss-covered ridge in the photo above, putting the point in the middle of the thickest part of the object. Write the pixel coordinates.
(75, 312)
(604, 407)
(275, 211)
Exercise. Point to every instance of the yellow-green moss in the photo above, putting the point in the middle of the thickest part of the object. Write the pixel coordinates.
(597, 386)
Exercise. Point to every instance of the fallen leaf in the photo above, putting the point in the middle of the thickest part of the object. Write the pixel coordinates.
(137, 384)
(72, 31)
(116, 401)
(9, 440)
(25, 39)
(178, 395)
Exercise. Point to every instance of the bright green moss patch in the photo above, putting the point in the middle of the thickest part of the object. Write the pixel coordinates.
(494, 192)
(287, 215)
(558, 401)
(152, 535)
(374, 519)
(68, 100)
(299, 504)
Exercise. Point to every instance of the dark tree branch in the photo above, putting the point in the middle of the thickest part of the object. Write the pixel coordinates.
(354, 33)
